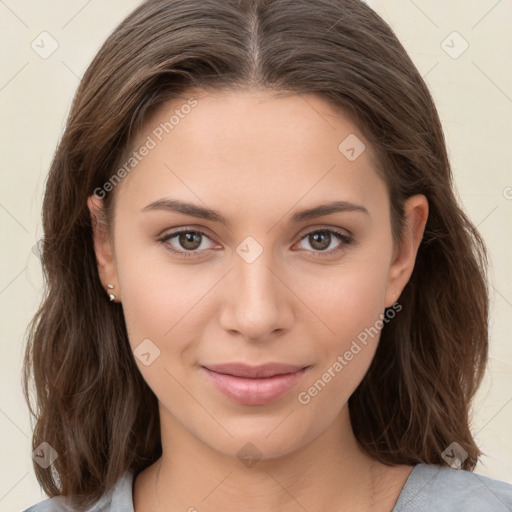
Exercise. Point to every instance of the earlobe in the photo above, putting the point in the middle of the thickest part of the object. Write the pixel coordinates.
(102, 245)
(416, 216)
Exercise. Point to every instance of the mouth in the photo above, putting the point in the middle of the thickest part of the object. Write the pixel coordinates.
(254, 385)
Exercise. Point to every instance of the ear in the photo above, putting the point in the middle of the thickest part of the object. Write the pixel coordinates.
(105, 259)
(404, 257)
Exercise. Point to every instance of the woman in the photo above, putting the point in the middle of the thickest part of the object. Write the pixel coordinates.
(243, 192)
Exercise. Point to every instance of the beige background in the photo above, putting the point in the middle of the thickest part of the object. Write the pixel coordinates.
(474, 97)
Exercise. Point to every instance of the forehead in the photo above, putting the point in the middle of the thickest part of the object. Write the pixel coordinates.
(252, 147)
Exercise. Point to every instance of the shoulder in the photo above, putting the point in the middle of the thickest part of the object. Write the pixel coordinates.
(445, 490)
(120, 498)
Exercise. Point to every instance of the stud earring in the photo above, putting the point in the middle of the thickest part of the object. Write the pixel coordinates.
(111, 296)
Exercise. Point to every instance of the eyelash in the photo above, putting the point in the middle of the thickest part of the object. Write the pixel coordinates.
(343, 237)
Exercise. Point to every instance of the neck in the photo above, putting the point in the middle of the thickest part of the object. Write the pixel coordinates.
(329, 472)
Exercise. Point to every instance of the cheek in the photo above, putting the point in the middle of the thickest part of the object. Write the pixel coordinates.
(351, 310)
(162, 309)
(349, 300)
(158, 300)
(163, 301)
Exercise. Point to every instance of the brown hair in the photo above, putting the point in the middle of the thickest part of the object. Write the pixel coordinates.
(92, 404)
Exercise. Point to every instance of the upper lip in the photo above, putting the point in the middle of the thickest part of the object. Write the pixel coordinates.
(261, 371)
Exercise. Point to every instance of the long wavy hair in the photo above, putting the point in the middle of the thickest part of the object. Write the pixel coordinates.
(91, 403)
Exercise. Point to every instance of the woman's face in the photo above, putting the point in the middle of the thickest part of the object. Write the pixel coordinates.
(272, 282)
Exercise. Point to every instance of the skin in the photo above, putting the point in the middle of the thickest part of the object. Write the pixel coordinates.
(289, 305)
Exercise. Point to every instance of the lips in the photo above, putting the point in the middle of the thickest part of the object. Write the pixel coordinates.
(254, 385)
(254, 372)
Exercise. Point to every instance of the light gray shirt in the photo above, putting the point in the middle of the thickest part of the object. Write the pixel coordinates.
(428, 489)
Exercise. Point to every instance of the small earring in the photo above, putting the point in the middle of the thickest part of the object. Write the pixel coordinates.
(111, 296)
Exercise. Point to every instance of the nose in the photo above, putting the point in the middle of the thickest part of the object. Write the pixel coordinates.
(257, 304)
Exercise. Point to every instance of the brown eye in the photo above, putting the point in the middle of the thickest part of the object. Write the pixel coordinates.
(189, 240)
(320, 240)
(186, 242)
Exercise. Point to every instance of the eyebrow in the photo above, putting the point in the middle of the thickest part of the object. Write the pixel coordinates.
(193, 210)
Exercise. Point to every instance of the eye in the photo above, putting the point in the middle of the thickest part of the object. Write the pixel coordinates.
(321, 239)
(187, 243)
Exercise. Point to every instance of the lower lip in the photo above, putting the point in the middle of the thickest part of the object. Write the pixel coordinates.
(254, 391)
